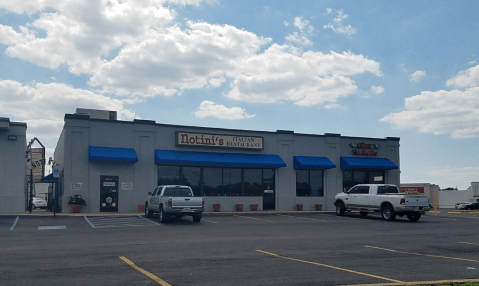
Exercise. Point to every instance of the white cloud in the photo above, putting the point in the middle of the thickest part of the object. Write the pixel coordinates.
(210, 109)
(377, 89)
(303, 25)
(306, 79)
(134, 49)
(334, 106)
(43, 106)
(168, 61)
(417, 75)
(80, 33)
(338, 25)
(298, 39)
(454, 112)
(467, 78)
(304, 30)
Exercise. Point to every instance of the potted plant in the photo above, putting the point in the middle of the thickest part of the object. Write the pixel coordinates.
(299, 207)
(141, 208)
(318, 207)
(239, 207)
(254, 207)
(76, 201)
(216, 207)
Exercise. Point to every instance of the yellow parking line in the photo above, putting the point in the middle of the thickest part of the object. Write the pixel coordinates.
(153, 277)
(254, 218)
(469, 243)
(434, 282)
(330, 266)
(419, 254)
(303, 217)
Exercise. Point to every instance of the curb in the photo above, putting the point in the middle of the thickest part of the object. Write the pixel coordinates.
(49, 214)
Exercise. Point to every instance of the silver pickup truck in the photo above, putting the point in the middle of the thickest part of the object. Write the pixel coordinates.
(386, 199)
(174, 201)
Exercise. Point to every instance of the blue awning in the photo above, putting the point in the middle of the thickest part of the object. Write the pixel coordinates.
(310, 162)
(213, 159)
(111, 154)
(48, 179)
(367, 163)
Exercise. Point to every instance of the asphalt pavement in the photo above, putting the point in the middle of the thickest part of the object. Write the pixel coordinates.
(263, 248)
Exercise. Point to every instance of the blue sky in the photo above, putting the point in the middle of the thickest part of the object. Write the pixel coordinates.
(407, 69)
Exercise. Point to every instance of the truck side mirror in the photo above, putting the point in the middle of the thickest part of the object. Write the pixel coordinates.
(149, 193)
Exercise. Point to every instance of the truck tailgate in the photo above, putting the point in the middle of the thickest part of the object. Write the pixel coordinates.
(417, 201)
(187, 202)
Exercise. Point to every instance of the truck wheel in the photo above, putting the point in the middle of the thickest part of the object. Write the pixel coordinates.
(340, 209)
(197, 218)
(388, 213)
(163, 217)
(148, 213)
(363, 214)
(414, 217)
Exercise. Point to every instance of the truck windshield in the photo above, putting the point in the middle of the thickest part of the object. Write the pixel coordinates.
(177, 192)
(387, 190)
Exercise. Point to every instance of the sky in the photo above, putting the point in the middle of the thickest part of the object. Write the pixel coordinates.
(407, 69)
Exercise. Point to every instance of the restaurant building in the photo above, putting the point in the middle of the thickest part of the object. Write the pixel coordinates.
(113, 164)
(13, 166)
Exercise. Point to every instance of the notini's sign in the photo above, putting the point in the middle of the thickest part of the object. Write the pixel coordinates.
(217, 140)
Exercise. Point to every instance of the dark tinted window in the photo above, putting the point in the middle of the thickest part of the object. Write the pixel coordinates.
(252, 182)
(213, 181)
(309, 183)
(177, 192)
(364, 190)
(232, 182)
(387, 190)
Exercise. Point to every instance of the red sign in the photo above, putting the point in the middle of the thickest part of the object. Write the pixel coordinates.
(412, 189)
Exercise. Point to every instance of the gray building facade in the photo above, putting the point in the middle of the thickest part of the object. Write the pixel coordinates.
(13, 166)
(114, 164)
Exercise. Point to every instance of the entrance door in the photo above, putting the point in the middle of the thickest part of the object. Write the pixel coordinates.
(268, 193)
(108, 193)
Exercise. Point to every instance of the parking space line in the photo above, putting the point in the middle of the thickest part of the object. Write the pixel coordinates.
(253, 218)
(420, 254)
(15, 223)
(87, 220)
(148, 220)
(469, 243)
(150, 275)
(330, 266)
(210, 221)
(98, 222)
(307, 218)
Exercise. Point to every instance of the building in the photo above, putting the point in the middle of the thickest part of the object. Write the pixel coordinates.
(109, 161)
(430, 190)
(13, 166)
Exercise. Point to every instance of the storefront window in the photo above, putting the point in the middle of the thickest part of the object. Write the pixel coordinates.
(352, 178)
(219, 181)
(232, 182)
(212, 181)
(252, 182)
(309, 183)
(168, 175)
(190, 176)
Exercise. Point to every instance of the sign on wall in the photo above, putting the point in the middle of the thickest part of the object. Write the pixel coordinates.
(361, 149)
(221, 141)
(412, 190)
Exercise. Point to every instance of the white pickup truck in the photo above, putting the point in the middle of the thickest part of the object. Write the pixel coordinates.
(368, 198)
(174, 201)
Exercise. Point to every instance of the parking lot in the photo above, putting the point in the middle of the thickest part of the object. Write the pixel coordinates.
(241, 249)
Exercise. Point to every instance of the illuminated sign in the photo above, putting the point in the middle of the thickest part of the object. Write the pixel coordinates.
(215, 140)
